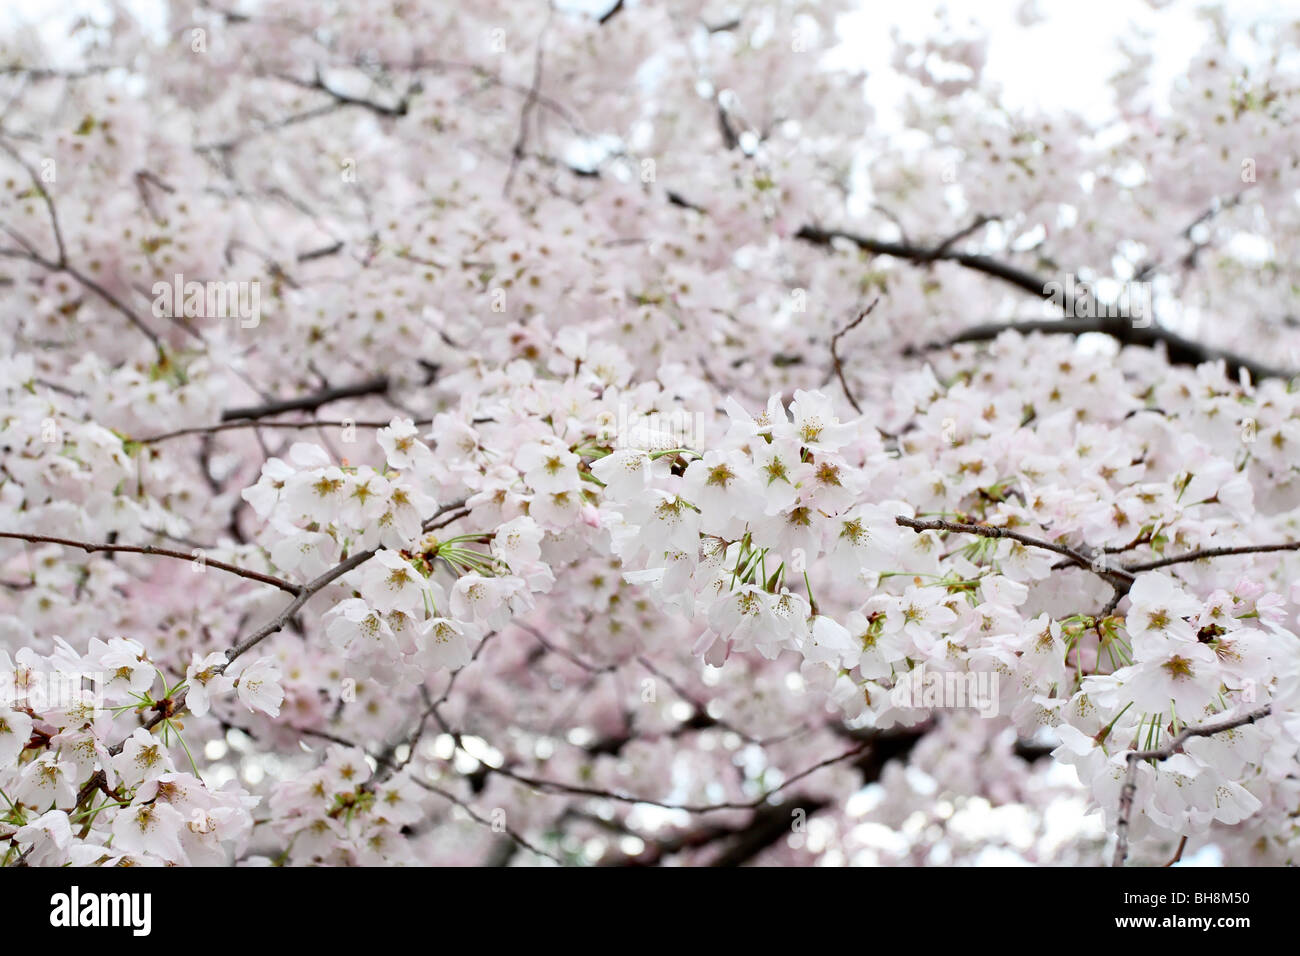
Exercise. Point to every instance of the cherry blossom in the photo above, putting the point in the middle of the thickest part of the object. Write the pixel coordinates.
(643, 432)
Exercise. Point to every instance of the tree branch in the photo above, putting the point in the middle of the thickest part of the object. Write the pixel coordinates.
(835, 357)
(771, 822)
(1116, 577)
(91, 548)
(252, 423)
(303, 596)
(1133, 756)
(610, 13)
(1180, 350)
(483, 821)
(343, 99)
(582, 791)
(530, 101)
(1214, 553)
(374, 386)
(1020, 278)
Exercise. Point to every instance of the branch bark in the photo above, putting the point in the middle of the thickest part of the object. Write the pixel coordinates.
(252, 423)
(1214, 553)
(1179, 349)
(835, 355)
(310, 402)
(1133, 756)
(1116, 577)
(92, 548)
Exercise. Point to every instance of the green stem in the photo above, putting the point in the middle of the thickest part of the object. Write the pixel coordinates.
(193, 766)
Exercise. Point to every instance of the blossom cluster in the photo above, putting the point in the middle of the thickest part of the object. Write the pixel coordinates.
(81, 788)
(557, 502)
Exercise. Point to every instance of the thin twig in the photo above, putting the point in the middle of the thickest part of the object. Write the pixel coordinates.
(989, 531)
(1134, 756)
(303, 596)
(578, 790)
(530, 101)
(979, 223)
(610, 13)
(91, 548)
(1213, 553)
(835, 357)
(1178, 854)
(253, 423)
(500, 826)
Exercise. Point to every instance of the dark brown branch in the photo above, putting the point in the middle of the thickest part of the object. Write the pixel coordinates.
(373, 386)
(412, 741)
(45, 198)
(484, 75)
(561, 652)
(321, 253)
(1029, 751)
(835, 356)
(253, 423)
(558, 786)
(767, 827)
(680, 201)
(1214, 553)
(1022, 279)
(730, 138)
(170, 706)
(227, 146)
(1162, 753)
(979, 223)
(386, 761)
(91, 548)
(447, 514)
(400, 108)
(770, 822)
(1117, 577)
(700, 718)
(1188, 261)
(43, 73)
(482, 821)
(611, 13)
(1178, 854)
(1180, 350)
(304, 594)
(61, 264)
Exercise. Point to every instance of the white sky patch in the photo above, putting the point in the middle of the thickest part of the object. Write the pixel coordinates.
(1062, 62)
